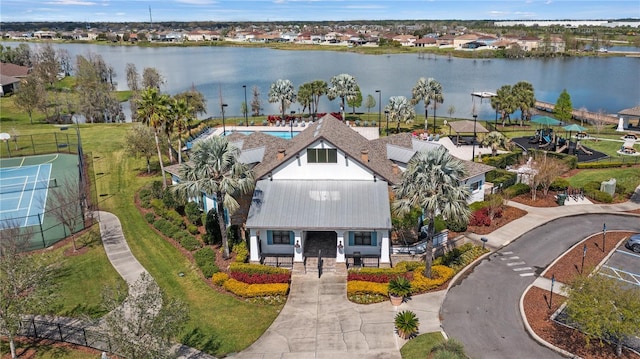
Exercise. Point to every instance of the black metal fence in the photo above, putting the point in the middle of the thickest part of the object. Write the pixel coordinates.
(42, 143)
(86, 337)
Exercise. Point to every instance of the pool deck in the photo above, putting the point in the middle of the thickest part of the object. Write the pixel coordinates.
(370, 133)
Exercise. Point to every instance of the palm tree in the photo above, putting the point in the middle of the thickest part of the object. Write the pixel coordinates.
(182, 114)
(504, 102)
(432, 183)
(282, 91)
(216, 171)
(153, 109)
(430, 91)
(343, 86)
(400, 109)
(495, 140)
(524, 98)
(318, 89)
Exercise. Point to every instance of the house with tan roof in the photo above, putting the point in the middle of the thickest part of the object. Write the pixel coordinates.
(10, 77)
(325, 192)
(405, 40)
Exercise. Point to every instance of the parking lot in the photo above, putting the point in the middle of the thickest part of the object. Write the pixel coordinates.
(623, 265)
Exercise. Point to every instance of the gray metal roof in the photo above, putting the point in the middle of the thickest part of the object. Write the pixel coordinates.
(253, 155)
(424, 145)
(399, 154)
(313, 205)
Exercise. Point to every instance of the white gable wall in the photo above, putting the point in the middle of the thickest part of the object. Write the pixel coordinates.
(344, 169)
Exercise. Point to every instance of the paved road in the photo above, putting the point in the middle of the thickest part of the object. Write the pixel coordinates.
(481, 310)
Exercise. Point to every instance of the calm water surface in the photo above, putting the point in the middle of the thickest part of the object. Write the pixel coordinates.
(609, 84)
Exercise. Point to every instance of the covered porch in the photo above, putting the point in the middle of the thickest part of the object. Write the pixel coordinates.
(291, 220)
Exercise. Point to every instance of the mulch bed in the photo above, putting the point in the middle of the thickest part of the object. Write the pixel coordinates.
(536, 300)
(541, 201)
(536, 309)
(30, 348)
(569, 266)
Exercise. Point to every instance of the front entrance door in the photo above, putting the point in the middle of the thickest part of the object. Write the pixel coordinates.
(325, 241)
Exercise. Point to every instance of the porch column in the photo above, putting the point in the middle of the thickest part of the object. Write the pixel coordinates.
(298, 247)
(384, 248)
(254, 250)
(340, 257)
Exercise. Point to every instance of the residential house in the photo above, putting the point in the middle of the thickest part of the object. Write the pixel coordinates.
(10, 77)
(426, 42)
(528, 43)
(326, 192)
(459, 41)
(405, 40)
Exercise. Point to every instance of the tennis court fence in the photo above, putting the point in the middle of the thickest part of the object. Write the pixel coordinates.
(42, 143)
(49, 231)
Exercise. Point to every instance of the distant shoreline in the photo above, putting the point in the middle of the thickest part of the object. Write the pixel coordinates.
(364, 50)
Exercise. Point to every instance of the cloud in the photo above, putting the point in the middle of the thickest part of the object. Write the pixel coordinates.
(71, 2)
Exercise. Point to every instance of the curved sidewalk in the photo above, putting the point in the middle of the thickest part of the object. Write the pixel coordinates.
(119, 253)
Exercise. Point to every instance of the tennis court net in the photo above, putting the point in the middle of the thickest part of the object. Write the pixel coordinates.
(28, 186)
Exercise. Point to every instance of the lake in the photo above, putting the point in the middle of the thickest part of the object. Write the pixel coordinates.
(609, 84)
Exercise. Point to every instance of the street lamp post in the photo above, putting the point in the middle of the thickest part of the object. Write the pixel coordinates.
(224, 128)
(473, 145)
(386, 114)
(246, 107)
(291, 124)
(379, 108)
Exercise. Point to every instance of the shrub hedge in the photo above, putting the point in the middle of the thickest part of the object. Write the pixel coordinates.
(501, 178)
(517, 189)
(206, 261)
(260, 278)
(219, 278)
(363, 287)
(503, 160)
(255, 290)
(376, 278)
(440, 275)
(592, 165)
(256, 269)
(241, 251)
(559, 184)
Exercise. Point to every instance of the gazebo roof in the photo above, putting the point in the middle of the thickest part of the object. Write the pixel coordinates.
(634, 111)
(466, 126)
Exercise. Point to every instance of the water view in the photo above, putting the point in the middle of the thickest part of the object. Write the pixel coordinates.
(609, 84)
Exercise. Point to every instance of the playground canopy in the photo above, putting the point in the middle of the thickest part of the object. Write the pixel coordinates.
(546, 120)
(573, 127)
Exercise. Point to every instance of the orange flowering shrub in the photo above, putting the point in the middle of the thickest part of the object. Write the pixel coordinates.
(440, 274)
(219, 278)
(362, 287)
(255, 290)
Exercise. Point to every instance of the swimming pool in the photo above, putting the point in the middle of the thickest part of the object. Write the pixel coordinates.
(287, 135)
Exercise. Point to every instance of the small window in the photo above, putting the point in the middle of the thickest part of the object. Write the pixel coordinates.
(281, 237)
(475, 186)
(322, 155)
(362, 238)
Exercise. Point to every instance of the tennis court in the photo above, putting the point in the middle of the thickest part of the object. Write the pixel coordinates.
(23, 194)
(30, 190)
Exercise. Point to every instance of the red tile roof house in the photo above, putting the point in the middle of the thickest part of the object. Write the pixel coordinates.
(325, 189)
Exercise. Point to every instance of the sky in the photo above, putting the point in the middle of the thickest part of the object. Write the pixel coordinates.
(313, 10)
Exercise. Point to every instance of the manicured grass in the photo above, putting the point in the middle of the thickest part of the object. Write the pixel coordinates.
(420, 346)
(627, 177)
(83, 277)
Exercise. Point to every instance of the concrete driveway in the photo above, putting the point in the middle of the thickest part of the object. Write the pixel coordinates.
(319, 322)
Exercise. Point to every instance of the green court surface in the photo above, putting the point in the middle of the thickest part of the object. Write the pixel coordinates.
(64, 168)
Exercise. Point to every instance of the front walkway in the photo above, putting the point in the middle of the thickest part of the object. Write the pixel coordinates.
(319, 322)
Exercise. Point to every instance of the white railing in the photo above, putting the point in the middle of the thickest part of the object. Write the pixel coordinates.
(439, 240)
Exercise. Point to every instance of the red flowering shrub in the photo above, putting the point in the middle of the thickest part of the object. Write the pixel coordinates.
(378, 277)
(260, 278)
(480, 218)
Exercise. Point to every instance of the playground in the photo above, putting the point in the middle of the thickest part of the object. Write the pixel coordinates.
(547, 139)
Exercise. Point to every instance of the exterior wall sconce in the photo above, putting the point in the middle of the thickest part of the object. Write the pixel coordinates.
(297, 245)
(340, 246)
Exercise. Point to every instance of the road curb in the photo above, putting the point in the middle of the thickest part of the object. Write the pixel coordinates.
(521, 304)
(534, 335)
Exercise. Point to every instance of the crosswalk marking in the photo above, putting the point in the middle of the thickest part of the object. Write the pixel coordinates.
(527, 274)
(505, 253)
(515, 264)
(521, 269)
(509, 258)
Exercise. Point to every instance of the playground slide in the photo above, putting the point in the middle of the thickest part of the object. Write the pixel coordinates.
(546, 139)
(586, 151)
(561, 149)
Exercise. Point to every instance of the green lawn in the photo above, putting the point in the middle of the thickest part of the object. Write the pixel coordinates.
(627, 177)
(420, 346)
(83, 277)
